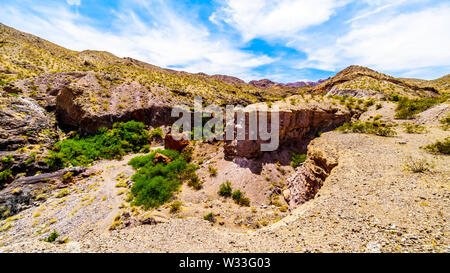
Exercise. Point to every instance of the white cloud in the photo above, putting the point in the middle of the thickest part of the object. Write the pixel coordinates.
(266, 18)
(398, 42)
(74, 2)
(169, 40)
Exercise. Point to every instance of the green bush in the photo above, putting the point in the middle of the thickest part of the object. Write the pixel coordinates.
(209, 217)
(157, 133)
(414, 129)
(191, 176)
(8, 160)
(225, 189)
(440, 147)
(5, 176)
(154, 184)
(175, 207)
(187, 153)
(369, 103)
(240, 199)
(112, 143)
(297, 159)
(52, 237)
(446, 122)
(409, 108)
(417, 165)
(375, 128)
(212, 171)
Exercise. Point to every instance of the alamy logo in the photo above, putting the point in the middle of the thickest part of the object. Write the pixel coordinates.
(232, 123)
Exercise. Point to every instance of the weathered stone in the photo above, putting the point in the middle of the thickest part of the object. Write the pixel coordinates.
(160, 158)
(297, 126)
(304, 184)
(287, 194)
(13, 201)
(171, 143)
(23, 122)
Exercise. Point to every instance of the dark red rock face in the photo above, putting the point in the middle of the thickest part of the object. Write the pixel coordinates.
(171, 143)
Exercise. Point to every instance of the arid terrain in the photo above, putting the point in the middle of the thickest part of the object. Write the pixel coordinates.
(363, 163)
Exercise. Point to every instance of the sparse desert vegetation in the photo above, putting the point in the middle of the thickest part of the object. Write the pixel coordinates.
(376, 128)
(439, 147)
(361, 165)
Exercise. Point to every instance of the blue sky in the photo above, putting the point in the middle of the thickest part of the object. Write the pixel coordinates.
(282, 40)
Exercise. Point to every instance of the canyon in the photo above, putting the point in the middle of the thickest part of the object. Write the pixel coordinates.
(349, 174)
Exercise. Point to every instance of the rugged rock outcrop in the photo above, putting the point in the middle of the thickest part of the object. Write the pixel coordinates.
(88, 105)
(44, 88)
(356, 79)
(25, 191)
(171, 143)
(23, 122)
(356, 93)
(311, 175)
(298, 124)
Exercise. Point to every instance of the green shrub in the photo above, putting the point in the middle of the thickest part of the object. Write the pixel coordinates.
(187, 153)
(297, 159)
(8, 160)
(379, 106)
(409, 108)
(446, 122)
(375, 128)
(191, 177)
(112, 143)
(240, 199)
(414, 129)
(52, 237)
(370, 102)
(175, 207)
(417, 165)
(154, 184)
(67, 177)
(440, 147)
(157, 133)
(210, 217)
(212, 171)
(225, 189)
(6, 176)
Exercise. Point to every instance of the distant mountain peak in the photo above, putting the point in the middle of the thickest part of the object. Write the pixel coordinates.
(265, 83)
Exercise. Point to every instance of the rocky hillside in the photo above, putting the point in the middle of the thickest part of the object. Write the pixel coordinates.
(268, 84)
(24, 56)
(66, 186)
(363, 82)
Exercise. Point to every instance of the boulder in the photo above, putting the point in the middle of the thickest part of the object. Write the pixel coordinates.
(171, 142)
(287, 195)
(153, 218)
(160, 158)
